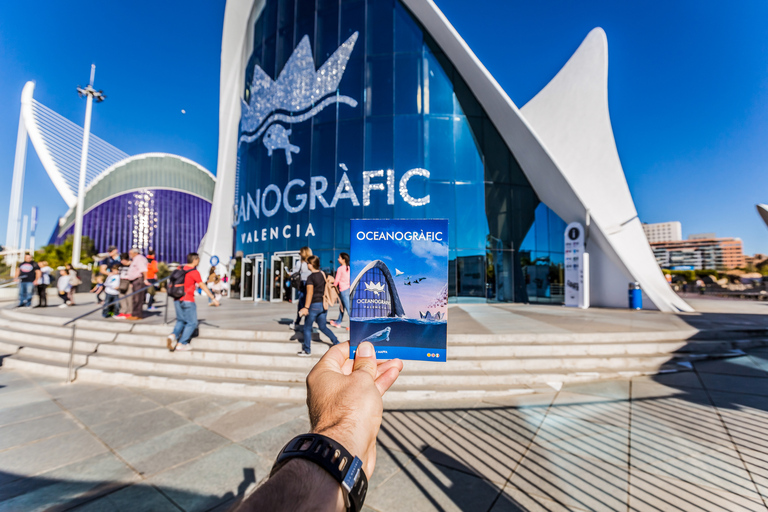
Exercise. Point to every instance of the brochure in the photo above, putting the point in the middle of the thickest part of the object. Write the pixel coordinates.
(399, 289)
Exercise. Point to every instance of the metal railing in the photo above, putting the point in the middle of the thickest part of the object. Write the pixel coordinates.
(70, 368)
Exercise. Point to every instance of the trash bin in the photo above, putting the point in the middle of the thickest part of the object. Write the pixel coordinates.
(635, 296)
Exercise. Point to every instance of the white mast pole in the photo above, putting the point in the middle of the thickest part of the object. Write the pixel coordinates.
(23, 242)
(76, 244)
(17, 187)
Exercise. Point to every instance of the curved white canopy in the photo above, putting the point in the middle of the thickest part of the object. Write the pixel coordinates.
(58, 142)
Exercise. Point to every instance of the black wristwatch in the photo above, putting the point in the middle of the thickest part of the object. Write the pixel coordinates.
(332, 457)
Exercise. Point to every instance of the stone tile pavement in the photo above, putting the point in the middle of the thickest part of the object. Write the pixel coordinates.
(694, 441)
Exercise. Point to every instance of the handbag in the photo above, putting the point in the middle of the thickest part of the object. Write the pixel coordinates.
(124, 285)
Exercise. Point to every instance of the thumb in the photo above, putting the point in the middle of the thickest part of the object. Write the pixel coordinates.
(365, 359)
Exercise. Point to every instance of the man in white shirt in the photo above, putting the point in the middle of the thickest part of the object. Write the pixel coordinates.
(137, 275)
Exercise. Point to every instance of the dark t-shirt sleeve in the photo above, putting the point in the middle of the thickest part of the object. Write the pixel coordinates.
(316, 280)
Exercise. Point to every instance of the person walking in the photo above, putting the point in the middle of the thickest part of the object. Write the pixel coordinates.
(342, 284)
(63, 286)
(27, 275)
(113, 256)
(152, 278)
(186, 309)
(314, 309)
(217, 287)
(125, 286)
(74, 282)
(42, 285)
(303, 269)
(112, 291)
(137, 275)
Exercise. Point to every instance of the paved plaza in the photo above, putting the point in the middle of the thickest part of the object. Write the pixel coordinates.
(685, 441)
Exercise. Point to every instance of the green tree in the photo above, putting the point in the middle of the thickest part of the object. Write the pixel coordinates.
(59, 255)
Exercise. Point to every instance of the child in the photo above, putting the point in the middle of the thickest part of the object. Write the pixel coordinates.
(64, 286)
(216, 289)
(112, 291)
(98, 289)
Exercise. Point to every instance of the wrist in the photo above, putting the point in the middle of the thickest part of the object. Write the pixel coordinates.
(354, 444)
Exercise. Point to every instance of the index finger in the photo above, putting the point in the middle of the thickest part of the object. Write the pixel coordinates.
(335, 358)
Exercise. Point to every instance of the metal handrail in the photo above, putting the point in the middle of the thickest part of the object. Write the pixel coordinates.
(74, 326)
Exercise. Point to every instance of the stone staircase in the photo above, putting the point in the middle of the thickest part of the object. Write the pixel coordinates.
(263, 364)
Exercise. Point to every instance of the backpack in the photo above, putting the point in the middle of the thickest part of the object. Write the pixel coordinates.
(176, 283)
(296, 281)
(330, 293)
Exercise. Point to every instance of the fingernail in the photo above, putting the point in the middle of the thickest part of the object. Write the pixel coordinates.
(365, 350)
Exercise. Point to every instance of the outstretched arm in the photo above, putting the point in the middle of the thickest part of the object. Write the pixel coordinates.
(344, 401)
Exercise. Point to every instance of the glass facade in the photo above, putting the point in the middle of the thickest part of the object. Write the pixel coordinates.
(171, 222)
(399, 135)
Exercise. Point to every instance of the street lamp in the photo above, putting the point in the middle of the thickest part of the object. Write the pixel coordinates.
(90, 93)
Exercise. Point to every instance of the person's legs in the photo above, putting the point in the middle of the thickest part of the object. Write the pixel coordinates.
(108, 309)
(41, 293)
(22, 295)
(138, 299)
(152, 292)
(181, 320)
(64, 298)
(190, 314)
(344, 299)
(71, 295)
(324, 328)
(314, 310)
(300, 297)
(29, 291)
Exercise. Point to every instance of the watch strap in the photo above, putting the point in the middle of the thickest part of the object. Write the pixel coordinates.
(332, 457)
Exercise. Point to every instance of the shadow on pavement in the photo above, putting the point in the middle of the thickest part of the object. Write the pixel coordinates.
(101, 495)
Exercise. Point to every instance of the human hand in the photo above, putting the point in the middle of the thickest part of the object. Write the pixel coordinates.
(344, 398)
(215, 302)
(303, 312)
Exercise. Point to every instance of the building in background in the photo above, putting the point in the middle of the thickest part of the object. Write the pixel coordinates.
(151, 201)
(700, 253)
(663, 231)
(378, 109)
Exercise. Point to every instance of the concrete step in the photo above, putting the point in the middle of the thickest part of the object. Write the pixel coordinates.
(57, 331)
(55, 343)
(52, 369)
(286, 370)
(58, 356)
(8, 348)
(297, 390)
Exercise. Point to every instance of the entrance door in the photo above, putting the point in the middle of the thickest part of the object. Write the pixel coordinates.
(282, 265)
(258, 277)
(277, 279)
(246, 279)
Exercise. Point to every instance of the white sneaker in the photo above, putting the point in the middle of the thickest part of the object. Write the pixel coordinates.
(170, 342)
(183, 347)
(62, 305)
(292, 325)
(301, 353)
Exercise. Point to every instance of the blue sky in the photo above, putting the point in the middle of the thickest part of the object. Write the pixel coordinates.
(688, 89)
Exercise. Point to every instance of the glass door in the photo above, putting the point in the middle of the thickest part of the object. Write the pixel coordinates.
(235, 275)
(246, 283)
(258, 277)
(277, 277)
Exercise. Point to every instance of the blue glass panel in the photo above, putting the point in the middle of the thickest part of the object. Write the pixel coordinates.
(409, 143)
(408, 37)
(471, 224)
(469, 163)
(285, 39)
(408, 84)
(378, 143)
(380, 30)
(439, 143)
(380, 99)
(438, 89)
(327, 35)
